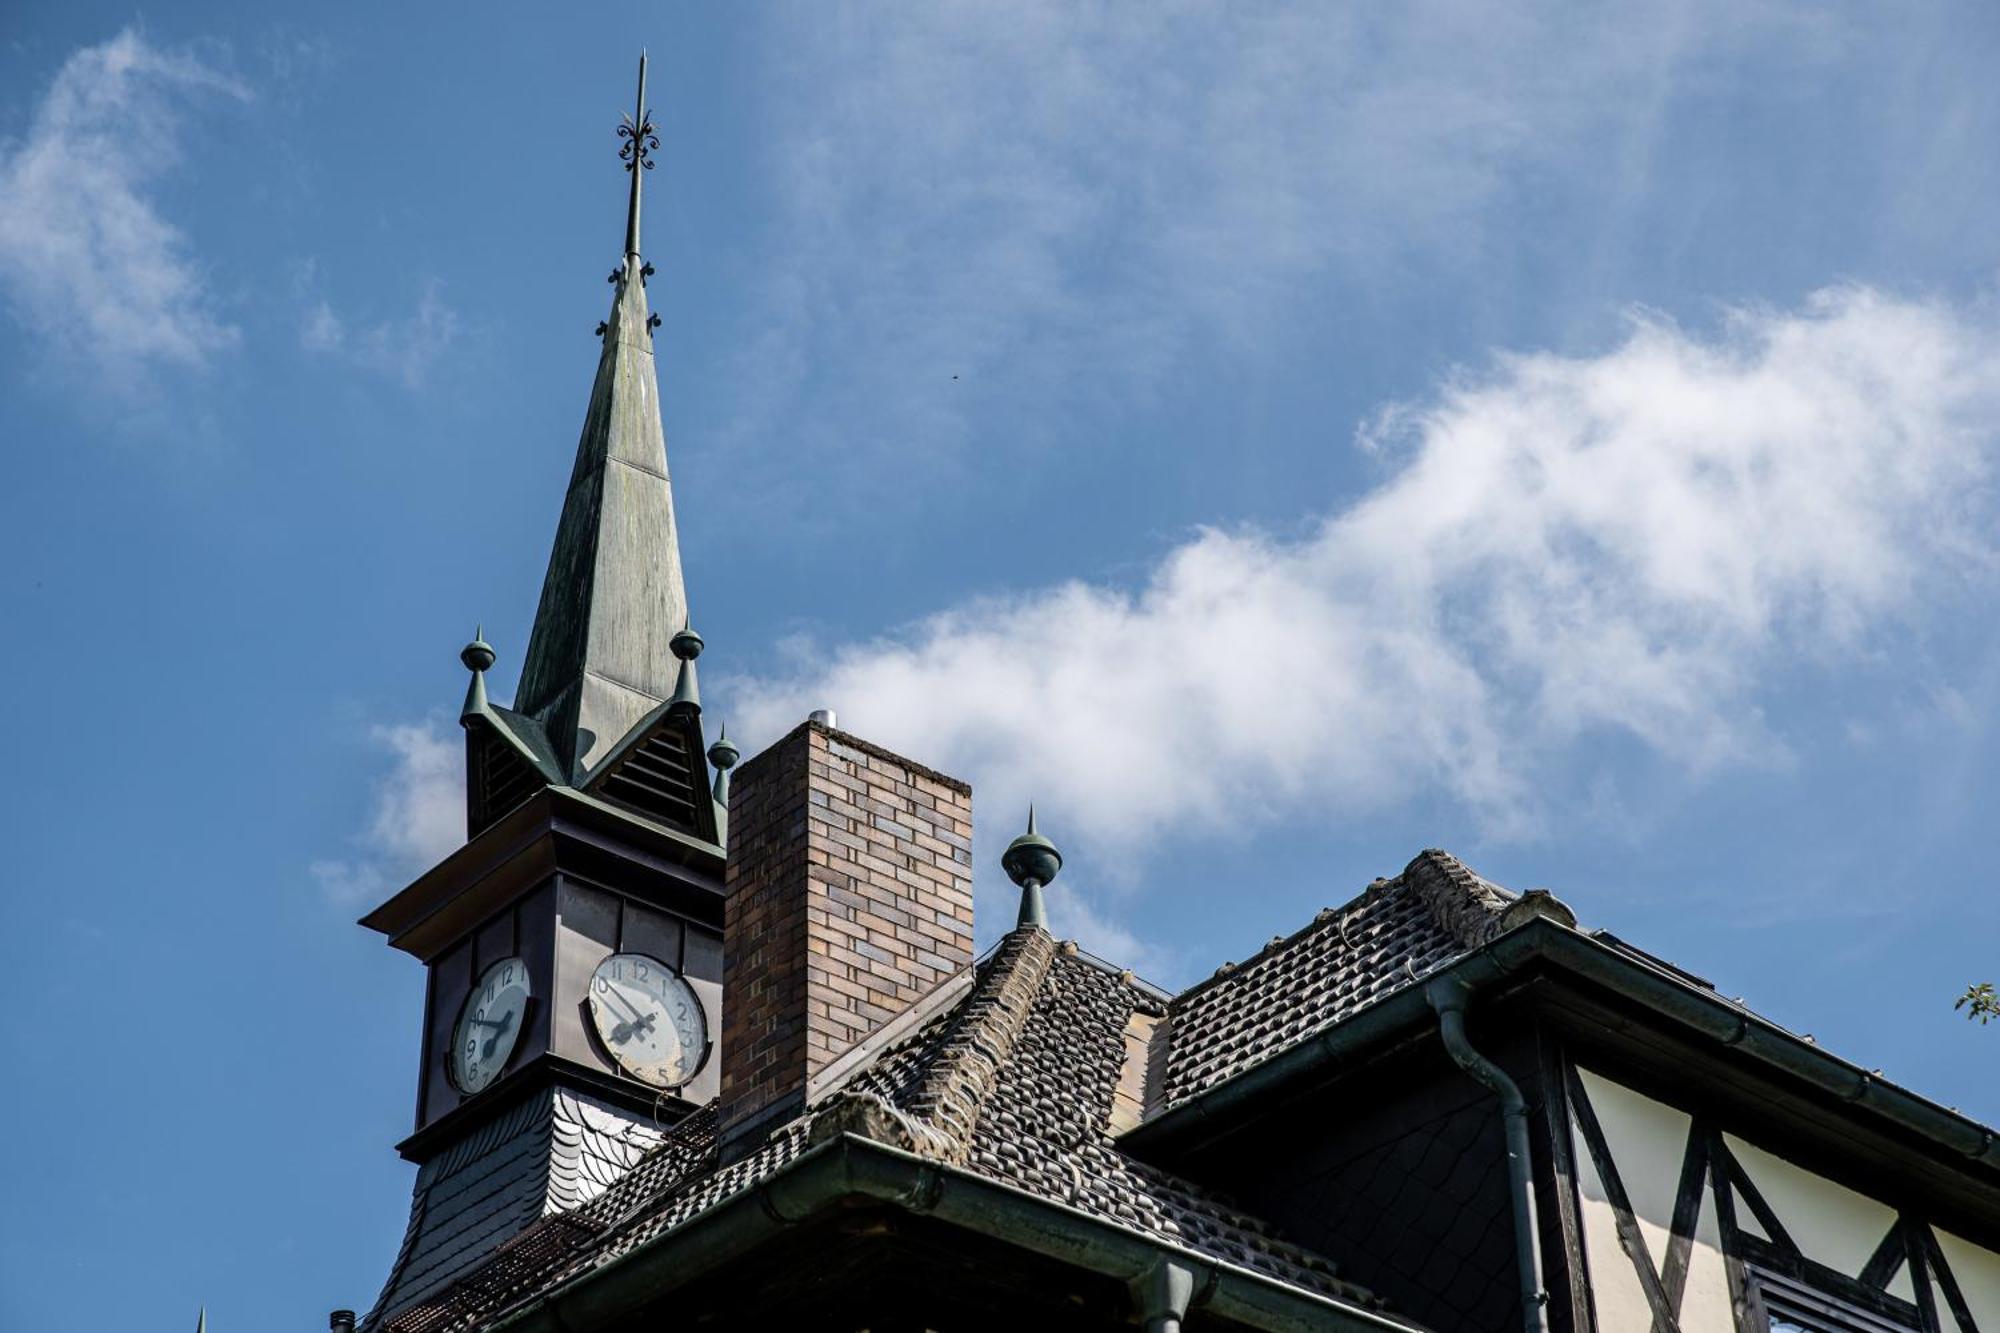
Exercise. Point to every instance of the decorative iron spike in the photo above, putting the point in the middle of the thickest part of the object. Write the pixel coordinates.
(640, 141)
(635, 152)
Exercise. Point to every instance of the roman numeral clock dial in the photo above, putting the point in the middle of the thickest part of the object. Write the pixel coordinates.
(649, 1019)
(488, 1026)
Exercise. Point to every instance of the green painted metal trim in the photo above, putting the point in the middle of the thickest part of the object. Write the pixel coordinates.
(641, 731)
(849, 1170)
(509, 725)
(644, 730)
(1405, 1012)
(674, 835)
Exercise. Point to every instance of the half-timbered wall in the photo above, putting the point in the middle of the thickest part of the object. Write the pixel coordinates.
(1688, 1226)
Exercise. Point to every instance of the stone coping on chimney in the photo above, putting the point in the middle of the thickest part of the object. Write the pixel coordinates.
(868, 747)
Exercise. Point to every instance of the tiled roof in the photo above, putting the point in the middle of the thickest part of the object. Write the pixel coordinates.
(1021, 1080)
(1392, 935)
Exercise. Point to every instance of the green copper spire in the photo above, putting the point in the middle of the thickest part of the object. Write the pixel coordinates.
(1031, 861)
(613, 596)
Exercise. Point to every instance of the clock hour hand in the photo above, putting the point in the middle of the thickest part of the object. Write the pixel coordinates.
(627, 1030)
(486, 1052)
(489, 1022)
(634, 1023)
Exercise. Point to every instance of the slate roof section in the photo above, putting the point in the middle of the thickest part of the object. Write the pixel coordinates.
(550, 1154)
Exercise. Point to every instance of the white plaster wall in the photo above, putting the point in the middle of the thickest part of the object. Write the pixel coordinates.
(1648, 1140)
(1705, 1306)
(1614, 1284)
(1978, 1274)
(1829, 1222)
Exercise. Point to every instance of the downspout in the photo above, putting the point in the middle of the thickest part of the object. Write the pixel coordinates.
(1448, 996)
(1161, 1297)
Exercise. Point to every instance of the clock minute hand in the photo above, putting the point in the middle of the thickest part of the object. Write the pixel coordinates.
(634, 1021)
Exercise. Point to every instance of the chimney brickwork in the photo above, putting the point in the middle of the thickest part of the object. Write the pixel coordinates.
(849, 899)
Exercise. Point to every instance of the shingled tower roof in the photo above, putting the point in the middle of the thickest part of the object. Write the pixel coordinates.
(613, 595)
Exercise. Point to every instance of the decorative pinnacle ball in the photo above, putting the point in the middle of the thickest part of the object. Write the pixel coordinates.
(687, 645)
(1031, 857)
(723, 754)
(477, 655)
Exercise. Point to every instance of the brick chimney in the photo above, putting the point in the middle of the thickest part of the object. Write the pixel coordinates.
(849, 900)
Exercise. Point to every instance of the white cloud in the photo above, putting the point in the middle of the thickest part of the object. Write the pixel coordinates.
(87, 259)
(404, 349)
(1560, 550)
(418, 816)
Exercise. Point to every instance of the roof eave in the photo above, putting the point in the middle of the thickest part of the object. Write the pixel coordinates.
(1547, 944)
(848, 1169)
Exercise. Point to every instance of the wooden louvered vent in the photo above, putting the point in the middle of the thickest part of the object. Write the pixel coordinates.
(501, 779)
(658, 779)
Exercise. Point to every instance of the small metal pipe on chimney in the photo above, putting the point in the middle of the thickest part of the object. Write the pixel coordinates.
(341, 1321)
(823, 716)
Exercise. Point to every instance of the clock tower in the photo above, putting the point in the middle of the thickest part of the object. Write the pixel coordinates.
(573, 946)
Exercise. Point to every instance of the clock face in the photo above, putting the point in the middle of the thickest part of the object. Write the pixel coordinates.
(488, 1026)
(649, 1018)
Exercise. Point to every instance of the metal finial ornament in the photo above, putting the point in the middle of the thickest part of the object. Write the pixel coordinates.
(636, 152)
(687, 695)
(686, 644)
(724, 754)
(1031, 861)
(478, 655)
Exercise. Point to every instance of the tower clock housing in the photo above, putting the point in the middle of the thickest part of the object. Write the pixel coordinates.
(561, 883)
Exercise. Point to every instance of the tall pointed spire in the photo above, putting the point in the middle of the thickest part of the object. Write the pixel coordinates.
(598, 658)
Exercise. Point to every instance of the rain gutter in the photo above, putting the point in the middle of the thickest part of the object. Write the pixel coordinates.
(1542, 942)
(850, 1170)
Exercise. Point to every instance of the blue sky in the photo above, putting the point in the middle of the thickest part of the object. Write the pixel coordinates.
(1276, 439)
